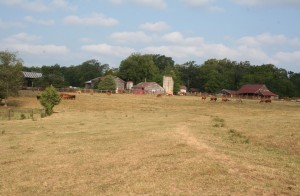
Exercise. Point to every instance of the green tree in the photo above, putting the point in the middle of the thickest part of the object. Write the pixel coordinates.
(49, 98)
(11, 77)
(139, 68)
(295, 79)
(52, 75)
(189, 74)
(108, 83)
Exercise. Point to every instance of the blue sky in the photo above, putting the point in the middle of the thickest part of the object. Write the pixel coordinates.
(69, 32)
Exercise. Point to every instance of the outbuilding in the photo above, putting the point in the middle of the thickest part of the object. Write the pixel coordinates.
(147, 88)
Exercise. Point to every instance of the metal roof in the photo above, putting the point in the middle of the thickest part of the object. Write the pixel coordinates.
(32, 74)
(255, 89)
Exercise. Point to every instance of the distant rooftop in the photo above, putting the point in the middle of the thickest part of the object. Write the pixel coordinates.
(32, 74)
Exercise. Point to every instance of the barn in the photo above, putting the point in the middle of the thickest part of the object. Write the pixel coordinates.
(256, 90)
(120, 84)
(147, 88)
(250, 91)
(29, 78)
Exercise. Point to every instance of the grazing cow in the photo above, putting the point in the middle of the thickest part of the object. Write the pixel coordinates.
(213, 99)
(67, 96)
(159, 95)
(225, 99)
(203, 98)
(265, 101)
(268, 101)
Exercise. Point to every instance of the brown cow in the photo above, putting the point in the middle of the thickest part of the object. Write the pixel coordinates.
(67, 96)
(225, 99)
(213, 99)
(268, 101)
(265, 101)
(159, 95)
(203, 98)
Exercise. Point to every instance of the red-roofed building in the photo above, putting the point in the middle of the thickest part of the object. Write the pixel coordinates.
(259, 90)
(147, 88)
(250, 90)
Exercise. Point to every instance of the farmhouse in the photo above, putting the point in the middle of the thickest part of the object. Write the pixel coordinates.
(120, 84)
(29, 78)
(147, 88)
(250, 91)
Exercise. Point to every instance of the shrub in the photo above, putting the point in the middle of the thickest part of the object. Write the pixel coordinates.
(49, 98)
(108, 83)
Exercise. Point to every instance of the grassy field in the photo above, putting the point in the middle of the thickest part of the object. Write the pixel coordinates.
(143, 145)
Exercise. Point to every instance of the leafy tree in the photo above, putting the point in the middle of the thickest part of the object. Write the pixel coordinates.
(49, 98)
(11, 77)
(108, 83)
(189, 74)
(52, 75)
(139, 68)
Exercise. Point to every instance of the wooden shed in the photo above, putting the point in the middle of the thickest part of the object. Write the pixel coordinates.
(29, 78)
(120, 84)
(147, 88)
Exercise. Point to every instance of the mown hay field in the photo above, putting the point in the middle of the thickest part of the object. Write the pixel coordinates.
(143, 145)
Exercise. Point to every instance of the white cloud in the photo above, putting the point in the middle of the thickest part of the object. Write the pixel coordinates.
(108, 50)
(268, 39)
(157, 26)
(159, 4)
(39, 5)
(34, 5)
(94, 19)
(288, 57)
(48, 49)
(178, 38)
(39, 21)
(22, 37)
(289, 3)
(205, 4)
(10, 24)
(24, 43)
(63, 4)
(131, 37)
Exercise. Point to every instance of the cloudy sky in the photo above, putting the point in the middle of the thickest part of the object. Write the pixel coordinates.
(69, 32)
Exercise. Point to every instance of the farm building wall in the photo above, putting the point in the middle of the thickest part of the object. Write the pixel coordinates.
(154, 88)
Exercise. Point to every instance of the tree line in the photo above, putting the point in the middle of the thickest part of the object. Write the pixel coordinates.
(212, 76)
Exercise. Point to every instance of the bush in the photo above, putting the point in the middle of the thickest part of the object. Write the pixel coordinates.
(49, 98)
(108, 83)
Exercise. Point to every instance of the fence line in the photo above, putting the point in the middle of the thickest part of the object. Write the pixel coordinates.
(21, 113)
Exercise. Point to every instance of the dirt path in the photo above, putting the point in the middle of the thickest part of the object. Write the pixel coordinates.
(187, 137)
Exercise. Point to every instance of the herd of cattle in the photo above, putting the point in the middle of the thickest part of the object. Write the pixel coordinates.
(203, 98)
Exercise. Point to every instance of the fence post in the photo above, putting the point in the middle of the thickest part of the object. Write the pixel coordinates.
(8, 114)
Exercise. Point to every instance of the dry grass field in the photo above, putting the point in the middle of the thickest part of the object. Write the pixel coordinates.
(143, 145)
